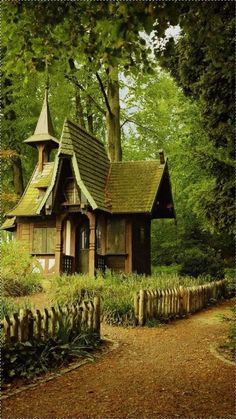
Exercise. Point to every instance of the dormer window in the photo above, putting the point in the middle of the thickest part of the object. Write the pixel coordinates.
(71, 192)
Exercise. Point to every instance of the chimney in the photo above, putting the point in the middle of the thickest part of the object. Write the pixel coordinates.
(162, 157)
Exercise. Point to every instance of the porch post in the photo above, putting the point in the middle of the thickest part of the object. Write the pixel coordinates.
(59, 244)
(92, 243)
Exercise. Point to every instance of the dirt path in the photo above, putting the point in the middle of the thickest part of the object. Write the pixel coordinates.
(164, 372)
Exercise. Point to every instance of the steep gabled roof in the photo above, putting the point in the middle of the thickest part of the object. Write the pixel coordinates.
(133, 185)
(30, 200)
(90, 163)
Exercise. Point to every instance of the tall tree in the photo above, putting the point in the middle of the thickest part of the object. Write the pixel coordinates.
(202, 61)
(104, 37)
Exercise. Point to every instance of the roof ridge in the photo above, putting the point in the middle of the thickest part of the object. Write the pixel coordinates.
(136, 161)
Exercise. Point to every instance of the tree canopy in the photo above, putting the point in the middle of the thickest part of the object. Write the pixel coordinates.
(106, 76)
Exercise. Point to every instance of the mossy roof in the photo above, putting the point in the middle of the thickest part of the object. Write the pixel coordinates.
(132, 186)
(31, 199)
(124, 187)
(8, 224)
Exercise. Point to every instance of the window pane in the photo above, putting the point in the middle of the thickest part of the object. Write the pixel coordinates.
(116, 236)
(51, 232)
(39, 240)
(84, 238)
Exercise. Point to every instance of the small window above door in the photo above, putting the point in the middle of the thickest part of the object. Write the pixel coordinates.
(71, 192)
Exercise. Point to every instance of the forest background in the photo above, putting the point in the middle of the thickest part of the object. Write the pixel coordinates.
(141, 76)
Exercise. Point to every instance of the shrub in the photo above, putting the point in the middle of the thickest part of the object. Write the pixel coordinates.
(27, 359)
(17, 270)
(197, 263)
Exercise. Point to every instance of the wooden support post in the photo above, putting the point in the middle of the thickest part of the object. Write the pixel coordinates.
(59, 244)
(92, 243)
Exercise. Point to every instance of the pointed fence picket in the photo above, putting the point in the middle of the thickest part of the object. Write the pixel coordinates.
(30, 325)
(175, 302)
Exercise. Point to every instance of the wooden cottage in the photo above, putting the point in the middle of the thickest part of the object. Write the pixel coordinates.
(81, 212)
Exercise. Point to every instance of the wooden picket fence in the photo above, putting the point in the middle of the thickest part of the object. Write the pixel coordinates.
(28, 325)
(175, 302)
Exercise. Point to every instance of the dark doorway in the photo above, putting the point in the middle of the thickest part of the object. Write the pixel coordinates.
(82, 247)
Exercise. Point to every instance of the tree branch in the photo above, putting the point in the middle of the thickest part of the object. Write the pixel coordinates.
(140, 125)
(103, 92)
(81, 87)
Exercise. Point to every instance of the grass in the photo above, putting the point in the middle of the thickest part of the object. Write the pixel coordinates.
(116, 291)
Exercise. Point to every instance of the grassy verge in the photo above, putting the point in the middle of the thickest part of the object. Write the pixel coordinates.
(116, 291)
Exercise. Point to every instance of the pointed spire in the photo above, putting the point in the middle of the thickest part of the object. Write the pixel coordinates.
(44, 131)
(44, 124)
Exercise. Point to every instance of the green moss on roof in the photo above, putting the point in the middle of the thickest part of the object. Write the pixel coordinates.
(8, 223)
(30, 200)
(132, 186)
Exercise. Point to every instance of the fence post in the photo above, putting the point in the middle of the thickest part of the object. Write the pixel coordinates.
(15, 327)
(30, 325)
(46, 323)
(23, 325)
(96, 318)
(7, 328)
(142, 304)
(136, 308)
(90, 315)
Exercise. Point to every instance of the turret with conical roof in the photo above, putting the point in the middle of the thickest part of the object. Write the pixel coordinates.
(43, 138)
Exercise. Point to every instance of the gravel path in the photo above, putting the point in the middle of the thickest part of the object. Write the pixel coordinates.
(164, 372)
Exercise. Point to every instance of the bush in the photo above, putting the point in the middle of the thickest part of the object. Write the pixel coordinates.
(197, 263)
(27, 359)
(17, 270)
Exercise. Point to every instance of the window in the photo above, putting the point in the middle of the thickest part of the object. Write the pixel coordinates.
(99, 237)
(116, 236)
(44, 240)
(71, 191)
(84, 238)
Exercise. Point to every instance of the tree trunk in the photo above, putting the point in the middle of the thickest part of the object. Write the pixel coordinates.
(17, 176)
(113, 116)
(79, 108)
(89, 115)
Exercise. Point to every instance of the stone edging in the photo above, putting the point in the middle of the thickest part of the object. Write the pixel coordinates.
(215, 352)
(97, 355)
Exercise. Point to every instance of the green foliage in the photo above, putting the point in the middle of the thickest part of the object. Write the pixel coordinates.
(196, 262)
(25, 360)
(202, 61)
(7, 307)
(17, 270)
